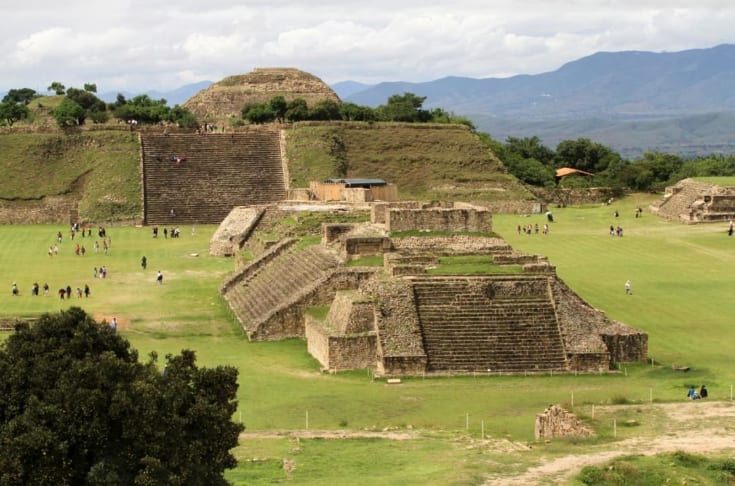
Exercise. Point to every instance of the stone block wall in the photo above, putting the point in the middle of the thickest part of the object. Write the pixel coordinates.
(558, 422)
(317, 340)
(352, 352)
(379, 210)
(626, 346)
(366, 246)
(589, 362)
(439, 220)
(332, 231)
(351, 313)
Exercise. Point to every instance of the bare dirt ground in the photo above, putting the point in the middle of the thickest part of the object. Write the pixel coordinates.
(695, 426)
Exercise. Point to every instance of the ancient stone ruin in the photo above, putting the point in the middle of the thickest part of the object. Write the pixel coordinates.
(227, 97)
(555, 421)
(399, 319)
(691, 201)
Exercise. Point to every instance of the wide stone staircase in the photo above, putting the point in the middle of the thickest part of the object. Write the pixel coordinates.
(505, 324)
(193, 178)
(277, 285)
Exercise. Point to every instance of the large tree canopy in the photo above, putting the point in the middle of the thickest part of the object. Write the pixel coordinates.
(77, 408)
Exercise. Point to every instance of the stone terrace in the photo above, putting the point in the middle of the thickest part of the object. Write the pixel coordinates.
(221, 171)
(274, 287)
(489, 323)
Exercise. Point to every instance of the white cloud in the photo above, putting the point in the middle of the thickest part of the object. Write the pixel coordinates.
(152, 44)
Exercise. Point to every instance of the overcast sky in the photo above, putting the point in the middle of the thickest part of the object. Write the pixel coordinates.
(138, 45)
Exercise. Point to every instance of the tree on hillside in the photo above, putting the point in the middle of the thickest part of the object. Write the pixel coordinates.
(94, 108)
(91, 87)
(141, 108)
(325, 110)
(182, 117)
(279, 106)
(76, 408)
(297, 110)
(23, 96)
(11, 112)
(258, 113)
(69, 113)
(584, 154)
(57, 88)
(354, 112)
(404, 108)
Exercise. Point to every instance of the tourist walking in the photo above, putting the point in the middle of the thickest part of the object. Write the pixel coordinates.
(159, 277)
(628, 288)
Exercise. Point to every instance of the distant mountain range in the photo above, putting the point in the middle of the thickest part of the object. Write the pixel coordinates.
(633, 101)
(175, 97)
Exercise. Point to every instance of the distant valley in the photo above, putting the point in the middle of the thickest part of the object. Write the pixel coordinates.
(681, 102)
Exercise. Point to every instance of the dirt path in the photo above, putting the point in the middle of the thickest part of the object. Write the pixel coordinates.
(685, 432)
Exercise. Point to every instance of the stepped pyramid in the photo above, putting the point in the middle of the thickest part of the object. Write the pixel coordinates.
(227, 97)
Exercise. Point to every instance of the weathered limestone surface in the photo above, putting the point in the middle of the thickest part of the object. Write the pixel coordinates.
(440, 219)
(227, 97)
(347, 338)
(558, 422)
(235, 229)
(691, 201)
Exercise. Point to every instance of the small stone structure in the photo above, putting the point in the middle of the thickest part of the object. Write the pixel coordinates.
(691, 201)
(347, 338)
(345, 191)
(555, 421)
(234, 230)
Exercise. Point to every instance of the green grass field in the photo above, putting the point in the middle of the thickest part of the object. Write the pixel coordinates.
(682, 288)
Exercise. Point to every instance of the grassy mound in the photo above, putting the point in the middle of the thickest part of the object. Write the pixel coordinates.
(101, 168)
(435, 162)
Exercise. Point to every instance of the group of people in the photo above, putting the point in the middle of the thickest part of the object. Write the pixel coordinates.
(616, 230)
(693, 395)
(174, 232)
(529, 229)
(64, 292)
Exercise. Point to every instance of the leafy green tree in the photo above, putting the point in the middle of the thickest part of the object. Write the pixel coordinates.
(11, 112)
(584, 154)
(355, 112)
(297, 110)
(325, 110)
(259, 113)
(279, 106)
(141, 108)
(23, 96)
(86, 99)
(91, 87)
(57, 88)
(78, 408)
(529, 160)
(69, 113)
(182, 117)
(404, 108)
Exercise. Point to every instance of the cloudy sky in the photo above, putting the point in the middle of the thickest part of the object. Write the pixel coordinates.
(138, 45)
